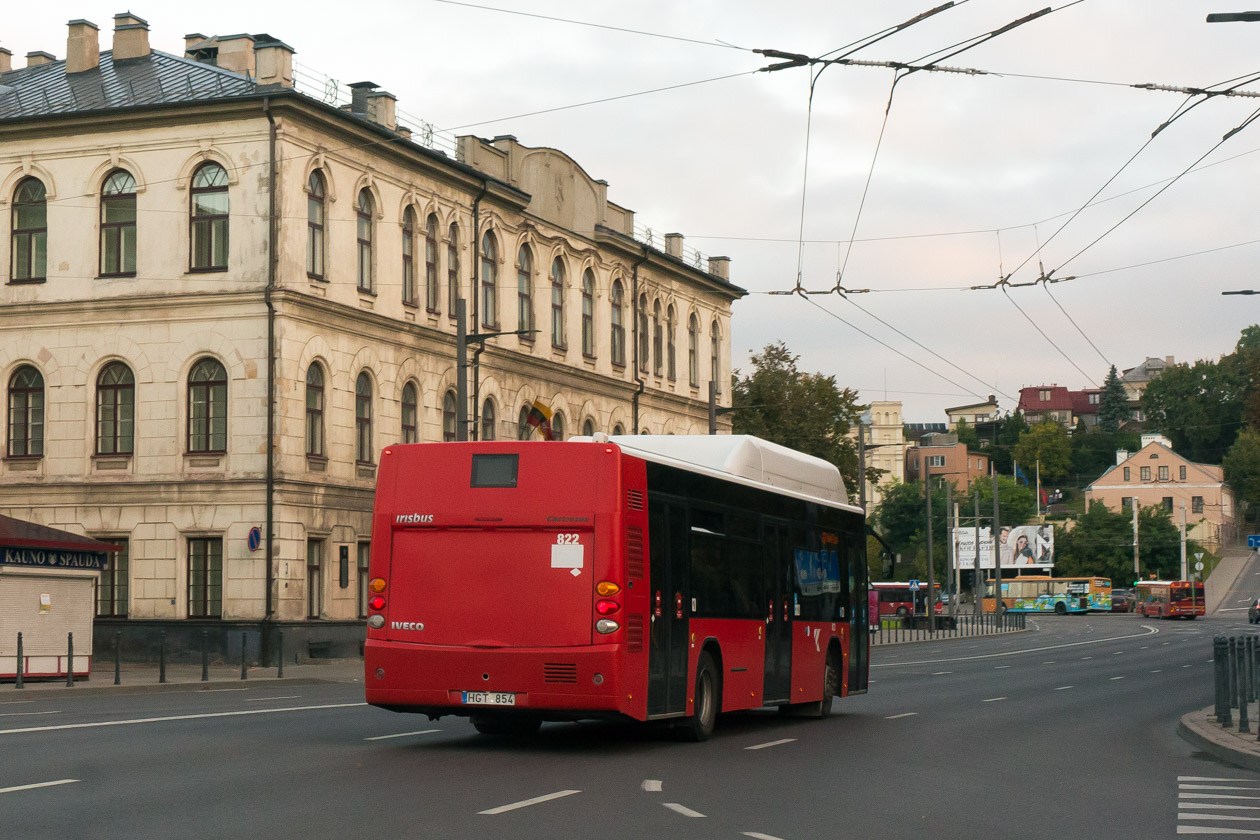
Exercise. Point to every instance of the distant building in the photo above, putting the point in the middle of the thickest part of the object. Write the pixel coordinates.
(1135, 380)
(975, 413)
(914, 431)
(885, 446)
(1060, 404)
(942, 456)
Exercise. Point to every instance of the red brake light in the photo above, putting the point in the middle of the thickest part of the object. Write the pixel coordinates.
(377, 603)
(606, 607)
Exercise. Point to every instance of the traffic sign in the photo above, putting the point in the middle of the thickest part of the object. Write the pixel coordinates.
(255, 538)
(914, 586)
(1253, 541)
(1198, 567)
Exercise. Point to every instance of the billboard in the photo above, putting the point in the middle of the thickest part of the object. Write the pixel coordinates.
(1023, 547)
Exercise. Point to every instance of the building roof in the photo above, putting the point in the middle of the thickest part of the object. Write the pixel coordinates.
(17, 533)
(1210, 472)
(1081, 403)
(1030, 399)
(1146, 371)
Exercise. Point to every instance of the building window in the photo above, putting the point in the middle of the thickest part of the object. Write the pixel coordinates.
(935, 460)
(30, 231)
(315, 195)
(208, 219)
(671, 351)
(207, 407)
(1182, 472)
(452, 269)
(431, 264)
(365, 556)
(1163, 473)
(618, 430)
(489, 281)
(448, 416)
(118, 225)
(205, 577)
(557, 426)
(1145, 473)
(523, 429)
(410, 408)
(315, 411)
(658, 340)
(557, 304)
(1167, 503)
(1043, 396)
(715, 344)
(693, 351)
(588, 313)
(314, 578)
(1126, 502)
(616, 319)
(363, 419)
(111, 586)
(642, 331)
(409, 257)
(1094, 399)
(525, 291)
(588, 427)
(1126, 473)
(115, 410)
(363, 265)
(487, 420)
(1196, 504)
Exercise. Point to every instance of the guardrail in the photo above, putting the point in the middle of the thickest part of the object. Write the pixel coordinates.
(1237, 678)
(916, 629)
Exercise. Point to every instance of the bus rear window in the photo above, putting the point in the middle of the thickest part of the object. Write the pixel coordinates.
(494, 470)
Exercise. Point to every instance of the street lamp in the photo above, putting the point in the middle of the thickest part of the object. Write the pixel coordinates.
(462, 338)
(1242, 292)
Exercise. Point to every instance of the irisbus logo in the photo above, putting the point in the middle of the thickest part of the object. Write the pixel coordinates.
(413, 519)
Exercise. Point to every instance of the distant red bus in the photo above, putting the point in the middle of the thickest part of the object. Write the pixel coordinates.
(896, 598)
(1170, 598)
(639, 577)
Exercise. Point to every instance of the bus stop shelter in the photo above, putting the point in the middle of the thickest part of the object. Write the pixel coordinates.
(47, 592)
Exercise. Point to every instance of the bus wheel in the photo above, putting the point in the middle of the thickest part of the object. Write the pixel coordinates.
(902, 612)
(831, 685)
(708, 698)
(1060, 609)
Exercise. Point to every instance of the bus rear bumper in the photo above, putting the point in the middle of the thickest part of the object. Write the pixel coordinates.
(554, 683)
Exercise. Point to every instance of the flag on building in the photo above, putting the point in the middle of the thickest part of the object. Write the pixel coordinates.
(540, 418)
(1019, 475)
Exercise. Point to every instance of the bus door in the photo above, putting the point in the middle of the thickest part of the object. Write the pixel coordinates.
(778, 573)
(668, 546)
(854, 575)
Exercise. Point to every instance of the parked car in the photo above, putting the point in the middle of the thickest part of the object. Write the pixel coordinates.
(1121, 600)
(1253, 611)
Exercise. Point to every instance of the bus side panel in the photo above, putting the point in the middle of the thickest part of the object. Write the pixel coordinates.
(742, 645)
(632, 531)
(809, 658)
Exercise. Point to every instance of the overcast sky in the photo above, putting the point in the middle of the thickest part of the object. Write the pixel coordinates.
(973, 170)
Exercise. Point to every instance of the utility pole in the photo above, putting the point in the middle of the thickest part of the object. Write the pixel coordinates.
(975, 574)
(1184, 569)
(1137, 571)
(949, 546)
(997, 552)
(862, 465)
(462, 338)
(931, 582)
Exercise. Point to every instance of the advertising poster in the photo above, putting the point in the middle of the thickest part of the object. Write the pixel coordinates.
(1028, 547)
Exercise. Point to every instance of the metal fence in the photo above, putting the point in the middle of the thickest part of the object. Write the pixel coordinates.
(1237, 679)
(895, 631)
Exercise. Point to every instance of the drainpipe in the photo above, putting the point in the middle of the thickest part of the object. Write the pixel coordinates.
(475, 431)
(634, 309)
(271, 360)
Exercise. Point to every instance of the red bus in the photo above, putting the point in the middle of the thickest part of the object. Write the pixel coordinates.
(1170, 598)
(896, 598)
(636, 577)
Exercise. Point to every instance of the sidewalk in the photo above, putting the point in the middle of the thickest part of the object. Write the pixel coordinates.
(1221, 581)
(1226, 743)
(142, 678)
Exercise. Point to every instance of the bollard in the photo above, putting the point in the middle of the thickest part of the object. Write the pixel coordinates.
(1244, 725)
(280, 658)
(20, 664)
(1232, 689)
(1220, 662)
(117, 657)
(205, 656)
(70, 660)
(243, 674)
(162, 657)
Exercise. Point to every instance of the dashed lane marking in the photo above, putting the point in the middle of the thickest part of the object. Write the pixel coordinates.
(771, 744)
(652, 785)
(1149, 632)
(682, 809)
(525, 803)
(402, 734)
(261, 699)
(903, 714)
(993, 700)
(204, 715)
(1064, 687)
(941, 673)
(17, 788)
(756, 835)
(26, 714)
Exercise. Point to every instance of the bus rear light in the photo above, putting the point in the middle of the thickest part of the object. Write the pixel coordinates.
(377, 621)
(377, 602)
(606, 626)
(606, 588)
(606, 607)
(377, 585)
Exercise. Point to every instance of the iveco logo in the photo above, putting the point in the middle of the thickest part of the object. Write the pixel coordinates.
(413, 518)
(406, 625)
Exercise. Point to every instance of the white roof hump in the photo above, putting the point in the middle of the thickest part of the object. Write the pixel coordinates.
(745, 457)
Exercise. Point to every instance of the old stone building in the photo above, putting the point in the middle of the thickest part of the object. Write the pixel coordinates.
(222, 298)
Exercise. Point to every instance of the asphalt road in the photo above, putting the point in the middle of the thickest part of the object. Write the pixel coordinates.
(1065, 732)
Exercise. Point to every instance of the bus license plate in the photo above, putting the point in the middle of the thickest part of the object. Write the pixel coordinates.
(489, 698)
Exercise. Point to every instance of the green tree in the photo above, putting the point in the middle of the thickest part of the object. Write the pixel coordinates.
(967, 434)
(1242, 469)
(1048, 444)
(805, 411)
(1112, 403)
(1102, 544)
(1092, 454)
(1199, 407)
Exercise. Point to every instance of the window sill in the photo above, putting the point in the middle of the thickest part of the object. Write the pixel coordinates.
(218, 269)
(410, 304)
(366, 302)
(111, 462)
(316, 463)
(28, 281)
(201, 460)
(23, 463)
(122, 276)
(362, 470)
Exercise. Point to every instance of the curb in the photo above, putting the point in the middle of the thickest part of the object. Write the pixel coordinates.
(64, 691)
(1238, 758)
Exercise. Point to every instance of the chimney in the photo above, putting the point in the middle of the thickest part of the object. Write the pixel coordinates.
(6, 60)
(131, 37)
(191, 40)
(359, 97)
(38, 57)
(236, 53)
(382, 109)
(1122, 455)
(674, 244)
(1169, 361)
(720, 267)
(274, 61)
(403, 132)
(83, 46)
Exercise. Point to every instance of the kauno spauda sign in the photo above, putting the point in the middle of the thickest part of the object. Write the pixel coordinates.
(40, 558)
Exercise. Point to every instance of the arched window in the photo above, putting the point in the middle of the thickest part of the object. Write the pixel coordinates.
(448, 416)
(714, 357)
(409, 257)
(658, 354)
(557, 304)
(487, 420)
(489, 281)
(525, 291)
(588, 313)
(118, 225)
(207, 407)
(115, 410)
(618, 338)
(363, 419)
(366, 207)
(618, 430)
(588, 427)
(26, 413)
(431, 264)
(30, 231)
(671, 351)
(557, 426)
(693, 350)
(315, 411)
(410, 410)
(643, 333)
(316, 194)
(452, 269)
(523, 429)
(208, 219)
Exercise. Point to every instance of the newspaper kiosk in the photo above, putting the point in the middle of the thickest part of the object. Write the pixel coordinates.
(47, 591)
